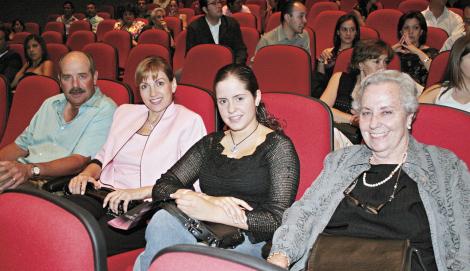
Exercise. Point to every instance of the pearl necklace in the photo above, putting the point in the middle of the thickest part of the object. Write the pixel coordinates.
(234, 148)
(386, 179)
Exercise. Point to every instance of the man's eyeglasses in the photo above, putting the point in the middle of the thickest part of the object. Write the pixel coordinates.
(375, 210)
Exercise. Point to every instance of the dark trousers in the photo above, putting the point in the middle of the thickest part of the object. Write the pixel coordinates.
(117, 241)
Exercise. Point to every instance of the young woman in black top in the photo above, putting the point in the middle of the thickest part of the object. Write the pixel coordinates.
(249, 173)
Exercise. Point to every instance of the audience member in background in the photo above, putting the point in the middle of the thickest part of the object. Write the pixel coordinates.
(455, 91)
(156, 21)
(197, 8)
(173, 11)
(363, 8)
(127, 21)
(368, 57)
(143, 143)
(67, 18)
(466, 20)
(92, 17)
(17, 26)
(37, 59)
(347, 33)
(68, 129)
(10, 61)
(415, 55)
(438, 15)
(162, 3)
(216, 28)
(141, 9)
(234, 6)
(249, 173)
(391, 187)
(291, 30)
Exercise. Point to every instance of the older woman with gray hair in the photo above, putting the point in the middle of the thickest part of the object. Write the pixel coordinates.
(390, 188)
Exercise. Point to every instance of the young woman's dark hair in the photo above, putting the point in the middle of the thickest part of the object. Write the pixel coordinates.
(246, 75)
(42, 43)
(336, 37)
(362, 7)
(127, 8)
(454, 74)
(14, 22)
(369, 49)
(422, 24)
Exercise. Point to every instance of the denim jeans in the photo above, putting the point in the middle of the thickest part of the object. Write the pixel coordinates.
(164, 230)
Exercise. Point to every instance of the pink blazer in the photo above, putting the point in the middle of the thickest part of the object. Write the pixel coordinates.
(176, 132)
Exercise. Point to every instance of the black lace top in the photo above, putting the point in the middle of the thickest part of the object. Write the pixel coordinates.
(402, 218)
(343, 101)
(411, 65)
(267, 179)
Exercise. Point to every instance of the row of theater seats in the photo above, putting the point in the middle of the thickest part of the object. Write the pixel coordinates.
(307, 121)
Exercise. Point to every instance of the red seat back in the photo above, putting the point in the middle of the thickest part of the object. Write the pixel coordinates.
(368, 33)
(347, 5)
(122, 41)
(30, 93)
(59, 226)
(136, 55)
(199, 258)
(444, 127)
(308, 123)
(318, 8)
(80, 25)
(391, 4)
(245, 19)
(104, 14)
(174, 24)
(79, 38)
(107, 8)
(457, 11)
(120, 92)
(19, 37)
(79, 15)
(273, 21)
(199, 101)
(274, 63)
(55, 26)
(250, 38)
(104, 27)
(180, 51)
(436, 37)
(202, 63)
(256, 11)
(438, 68)
(32, 28)
(413, 5)
(52, 37)
(106, 59)
(155, 36)
(55, 52)
(324, 27)
(19, 49)
(385, 21)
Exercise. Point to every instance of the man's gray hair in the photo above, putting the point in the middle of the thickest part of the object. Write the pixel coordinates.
(406, 84)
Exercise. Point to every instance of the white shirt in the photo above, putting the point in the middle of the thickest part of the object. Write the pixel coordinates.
(451, 22)
(214, 30)
(447, 100)
(450, 42)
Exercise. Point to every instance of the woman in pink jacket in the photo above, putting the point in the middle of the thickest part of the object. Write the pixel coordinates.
(143, 143)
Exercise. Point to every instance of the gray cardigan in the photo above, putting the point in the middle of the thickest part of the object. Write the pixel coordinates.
(443, 184)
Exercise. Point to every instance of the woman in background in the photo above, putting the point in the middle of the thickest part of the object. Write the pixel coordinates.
(127, 21)
(37, 60)
(17, 26)
(455, 91)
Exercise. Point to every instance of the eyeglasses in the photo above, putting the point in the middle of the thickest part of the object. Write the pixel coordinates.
(375, 210)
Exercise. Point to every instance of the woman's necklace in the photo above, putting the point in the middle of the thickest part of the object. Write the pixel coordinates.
(386, 179)
(234, 148)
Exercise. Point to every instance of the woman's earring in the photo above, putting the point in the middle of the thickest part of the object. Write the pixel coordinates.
(408, 126)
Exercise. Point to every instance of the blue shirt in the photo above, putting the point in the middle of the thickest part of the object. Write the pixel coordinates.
(49, 137)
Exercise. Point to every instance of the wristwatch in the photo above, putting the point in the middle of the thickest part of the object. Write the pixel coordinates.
(35, 171)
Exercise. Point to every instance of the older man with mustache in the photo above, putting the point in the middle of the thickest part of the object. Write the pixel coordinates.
(67, 130)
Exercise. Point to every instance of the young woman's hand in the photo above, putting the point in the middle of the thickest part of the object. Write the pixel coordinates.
(233, 207)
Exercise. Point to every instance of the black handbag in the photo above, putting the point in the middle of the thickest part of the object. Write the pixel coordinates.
(345, 253)
(353, 133)
(213, 234)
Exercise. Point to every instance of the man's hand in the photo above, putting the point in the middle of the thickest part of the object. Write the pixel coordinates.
(13, 173)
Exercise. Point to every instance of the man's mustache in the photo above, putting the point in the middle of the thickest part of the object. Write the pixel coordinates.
(77, 91)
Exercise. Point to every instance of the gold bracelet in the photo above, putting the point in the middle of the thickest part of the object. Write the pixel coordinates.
(279, 253)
